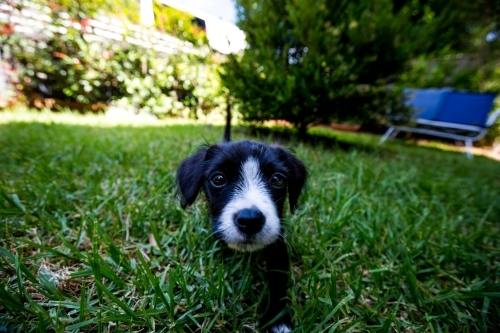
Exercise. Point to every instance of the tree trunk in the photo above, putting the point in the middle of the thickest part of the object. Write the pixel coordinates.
(227, 130)
(302, 130)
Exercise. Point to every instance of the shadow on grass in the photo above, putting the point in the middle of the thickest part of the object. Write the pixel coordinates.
(323, 138)
(326, 138)
(193, 134)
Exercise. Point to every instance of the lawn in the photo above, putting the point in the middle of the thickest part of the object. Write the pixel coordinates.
(388, 238)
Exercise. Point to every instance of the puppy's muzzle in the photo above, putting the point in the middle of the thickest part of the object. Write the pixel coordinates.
(249, 221)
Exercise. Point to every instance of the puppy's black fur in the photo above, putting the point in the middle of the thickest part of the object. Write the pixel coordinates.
(246, 184)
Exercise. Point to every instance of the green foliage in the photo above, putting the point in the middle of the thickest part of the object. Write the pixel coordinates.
(447, 71)
(463, 58)
(452, 26)
(178, 23)
(167, 19)
(319, 62)
(176, 85)
(67, 67)
(494, 83)
(129, 10)
(388, 238)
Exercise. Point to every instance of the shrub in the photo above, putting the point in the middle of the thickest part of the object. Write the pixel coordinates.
(67, 68)
(179, 24)
(175, 85)
(70, 68)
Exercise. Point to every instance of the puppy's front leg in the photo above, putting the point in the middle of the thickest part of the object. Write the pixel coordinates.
(274, 303)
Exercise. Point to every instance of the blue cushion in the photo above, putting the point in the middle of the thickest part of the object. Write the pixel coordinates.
(426, 102)
(466, 108)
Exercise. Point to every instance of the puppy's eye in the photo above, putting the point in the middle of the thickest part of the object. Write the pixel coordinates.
(277, 180)
(218, 180)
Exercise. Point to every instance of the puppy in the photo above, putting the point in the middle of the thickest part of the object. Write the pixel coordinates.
(245, 184)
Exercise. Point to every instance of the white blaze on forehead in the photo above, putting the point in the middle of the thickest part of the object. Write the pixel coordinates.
(250, 192)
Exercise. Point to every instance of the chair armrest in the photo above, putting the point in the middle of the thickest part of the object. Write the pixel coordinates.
(492, 118)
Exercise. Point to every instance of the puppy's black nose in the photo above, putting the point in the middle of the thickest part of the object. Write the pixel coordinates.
(249, 221)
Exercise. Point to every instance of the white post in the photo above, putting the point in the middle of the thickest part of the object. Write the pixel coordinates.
(147, 13)
(3, 81)
(387, 134)
(468, 151)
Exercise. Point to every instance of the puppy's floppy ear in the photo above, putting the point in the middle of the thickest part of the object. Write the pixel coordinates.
(297, 175)
(189, 178)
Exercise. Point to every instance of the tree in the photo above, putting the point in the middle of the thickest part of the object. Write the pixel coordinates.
(327, 60)
(466, 50)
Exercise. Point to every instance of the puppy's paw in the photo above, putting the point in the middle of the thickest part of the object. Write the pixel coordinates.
(281, 328)
(276, 322)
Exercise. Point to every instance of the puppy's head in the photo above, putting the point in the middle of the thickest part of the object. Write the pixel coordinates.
(246, 184)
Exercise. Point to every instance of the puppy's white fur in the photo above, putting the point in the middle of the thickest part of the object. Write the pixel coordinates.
(282, 328)
(251, 193)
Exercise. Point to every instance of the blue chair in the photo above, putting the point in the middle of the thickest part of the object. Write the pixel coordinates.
(448, 114)
(466, 108)
(426, 102)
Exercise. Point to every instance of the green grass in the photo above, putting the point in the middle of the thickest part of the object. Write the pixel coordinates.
(388, 238)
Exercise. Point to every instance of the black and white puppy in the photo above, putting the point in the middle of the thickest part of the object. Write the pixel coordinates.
(246, 184)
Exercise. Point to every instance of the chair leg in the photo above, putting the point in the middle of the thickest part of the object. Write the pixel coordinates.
(468, 149)
(387, 134)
